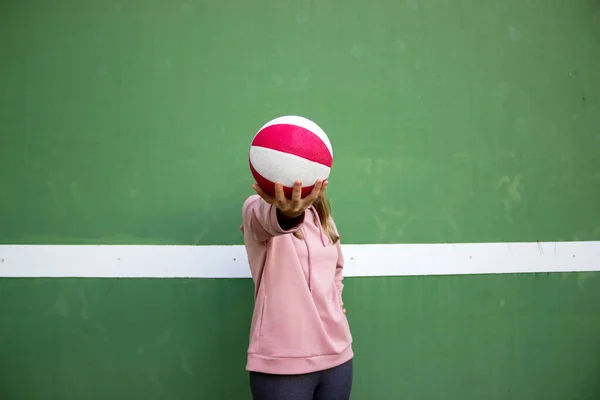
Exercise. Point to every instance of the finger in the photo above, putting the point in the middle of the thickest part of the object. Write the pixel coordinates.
(325, 183)
(314, 193)
(297, 191)
(263, 194)
(279, 196)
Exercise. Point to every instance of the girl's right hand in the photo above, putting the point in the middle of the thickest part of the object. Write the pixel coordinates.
(294, 207)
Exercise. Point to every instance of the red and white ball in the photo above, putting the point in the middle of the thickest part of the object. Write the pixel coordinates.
(287, 149)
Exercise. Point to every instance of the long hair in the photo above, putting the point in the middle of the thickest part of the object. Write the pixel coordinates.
(324, 214)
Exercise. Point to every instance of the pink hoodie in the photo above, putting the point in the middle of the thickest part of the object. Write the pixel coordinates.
(298, 325)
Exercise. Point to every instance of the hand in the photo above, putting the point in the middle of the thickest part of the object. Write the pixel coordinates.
(294, 207)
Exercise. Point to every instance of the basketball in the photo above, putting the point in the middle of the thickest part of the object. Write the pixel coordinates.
(287, 149)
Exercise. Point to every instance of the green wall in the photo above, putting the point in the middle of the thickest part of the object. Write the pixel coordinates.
(129, 123)
(499, 337)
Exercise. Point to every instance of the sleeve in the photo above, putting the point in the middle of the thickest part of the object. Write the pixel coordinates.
(260, 219)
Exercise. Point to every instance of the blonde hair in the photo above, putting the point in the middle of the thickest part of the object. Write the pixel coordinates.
(324, 214)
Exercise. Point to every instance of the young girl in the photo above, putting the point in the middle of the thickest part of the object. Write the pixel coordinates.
(300, 342)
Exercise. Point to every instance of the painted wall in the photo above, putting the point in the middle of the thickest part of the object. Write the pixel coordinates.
(128, 123)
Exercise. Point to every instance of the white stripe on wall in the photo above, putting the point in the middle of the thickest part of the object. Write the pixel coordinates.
(134, 261)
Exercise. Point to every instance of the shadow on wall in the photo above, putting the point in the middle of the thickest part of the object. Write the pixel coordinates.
(132, 338)
(216, 224)
(124, 338)
(590, 386)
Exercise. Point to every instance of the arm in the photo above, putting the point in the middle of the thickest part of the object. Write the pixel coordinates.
(266, 216)
(263, 221)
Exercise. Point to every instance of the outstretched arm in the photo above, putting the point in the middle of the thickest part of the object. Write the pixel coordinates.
(264, 221)
(266, 216)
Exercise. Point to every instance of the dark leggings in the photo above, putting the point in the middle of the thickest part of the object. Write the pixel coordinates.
(331, 384)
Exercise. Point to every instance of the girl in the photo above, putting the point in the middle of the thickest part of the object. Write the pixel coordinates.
(300, 342)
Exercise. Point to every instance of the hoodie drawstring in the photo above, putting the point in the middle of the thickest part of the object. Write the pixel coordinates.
(309, 262)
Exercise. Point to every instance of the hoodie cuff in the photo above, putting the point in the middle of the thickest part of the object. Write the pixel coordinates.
(291, 225)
